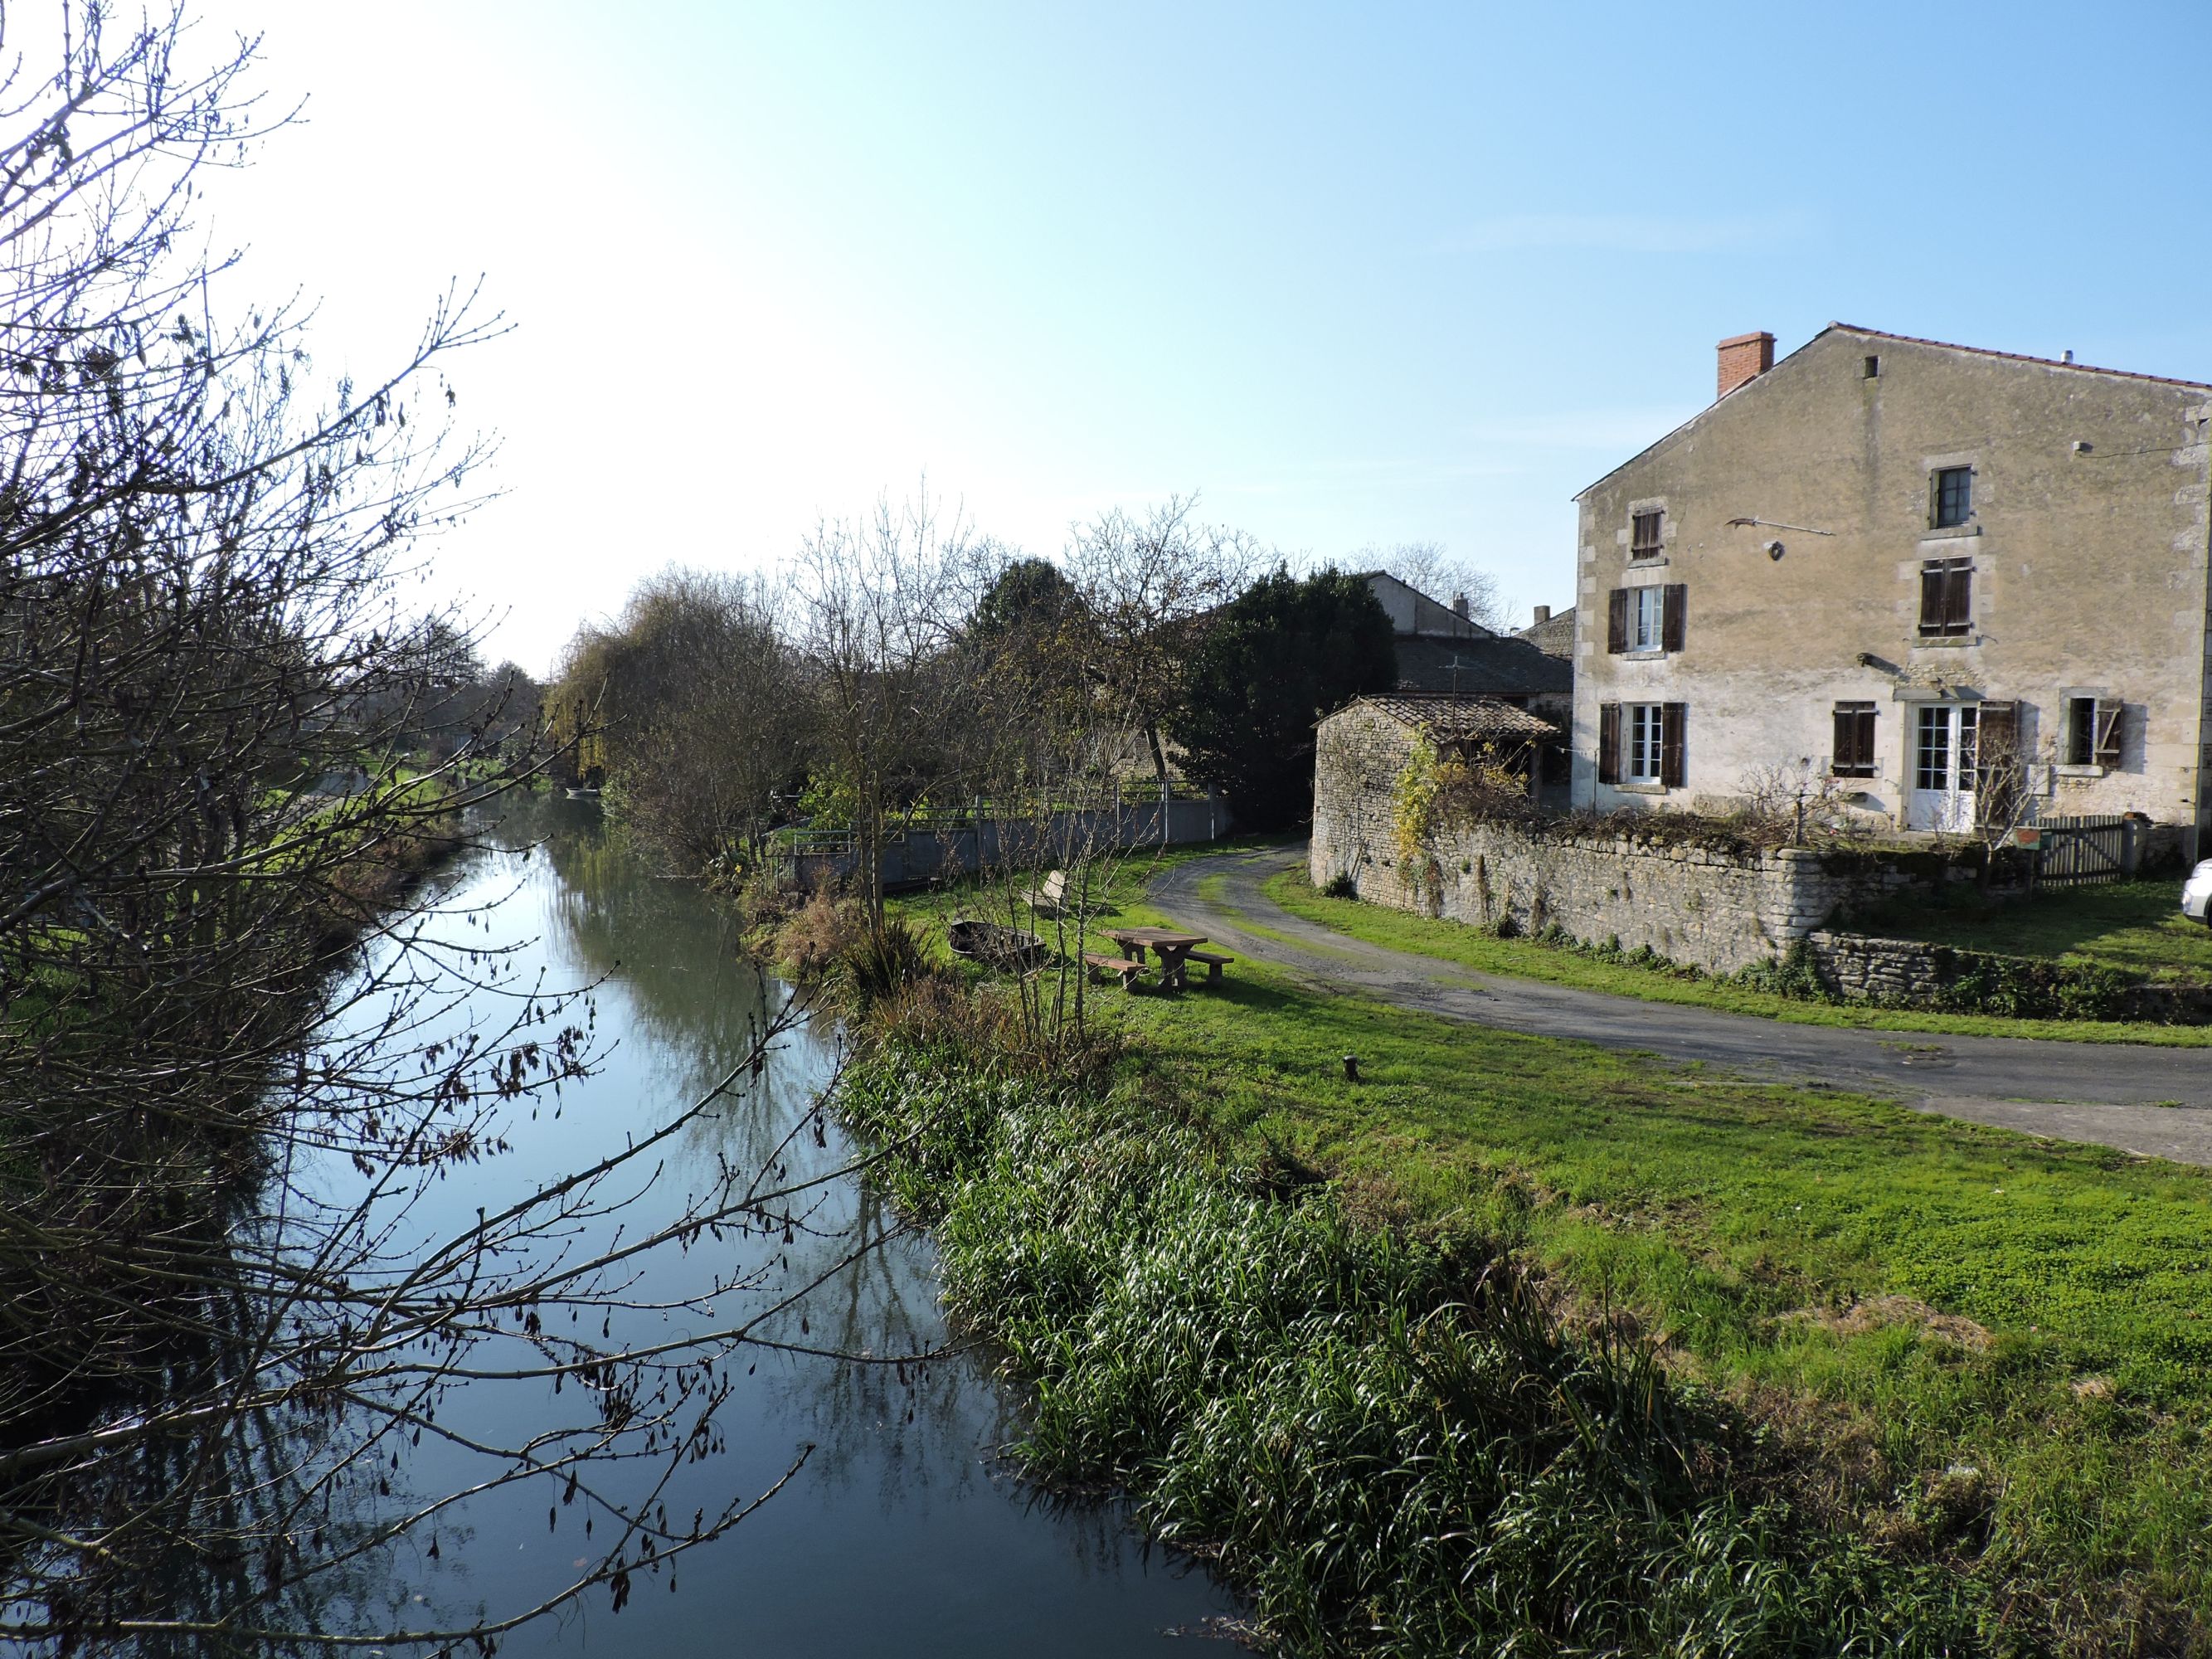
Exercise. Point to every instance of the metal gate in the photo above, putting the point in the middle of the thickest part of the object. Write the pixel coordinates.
(2082, 849)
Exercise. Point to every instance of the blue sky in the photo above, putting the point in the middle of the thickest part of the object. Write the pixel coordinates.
(1356, 275)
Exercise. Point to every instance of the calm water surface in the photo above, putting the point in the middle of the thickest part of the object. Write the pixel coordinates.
(902, 1534)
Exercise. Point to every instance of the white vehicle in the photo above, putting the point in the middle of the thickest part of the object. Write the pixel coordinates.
(2197, 893)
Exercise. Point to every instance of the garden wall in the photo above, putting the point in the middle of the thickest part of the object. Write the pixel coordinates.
(1716, 908)
(1858, 968)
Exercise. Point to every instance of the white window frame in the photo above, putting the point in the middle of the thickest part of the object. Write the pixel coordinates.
(1643, 742)
(1647, 618)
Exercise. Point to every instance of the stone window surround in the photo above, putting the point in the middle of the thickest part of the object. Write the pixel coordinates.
(1623, 536)
(2067, 694)
(1930, 465)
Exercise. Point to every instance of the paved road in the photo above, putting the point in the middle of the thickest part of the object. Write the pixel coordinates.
(2155, 1102)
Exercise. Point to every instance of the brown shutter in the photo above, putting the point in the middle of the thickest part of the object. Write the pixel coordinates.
(1670, 617)
(1845, 757)
(1672, 719)
(2108, 716)
(1932, 599)
(1959, 599)
(1616, 621)
(1608, 742)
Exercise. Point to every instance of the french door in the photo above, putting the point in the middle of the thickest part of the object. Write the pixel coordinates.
(1942, 793)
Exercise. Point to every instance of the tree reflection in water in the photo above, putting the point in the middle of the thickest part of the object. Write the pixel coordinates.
(730, 1299)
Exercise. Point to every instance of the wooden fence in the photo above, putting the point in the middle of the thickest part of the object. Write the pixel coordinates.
(2094, 847)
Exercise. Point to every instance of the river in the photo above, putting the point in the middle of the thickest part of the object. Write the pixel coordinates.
(902, 1532)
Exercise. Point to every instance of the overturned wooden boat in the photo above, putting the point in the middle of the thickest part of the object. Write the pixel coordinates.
(995, 945)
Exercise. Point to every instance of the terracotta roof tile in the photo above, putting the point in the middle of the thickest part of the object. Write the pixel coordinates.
(2014, 357)
(1443, 718)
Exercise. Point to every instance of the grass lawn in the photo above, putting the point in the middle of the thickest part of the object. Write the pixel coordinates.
(1908, 1293)
(2135, 927)
(1471, 947)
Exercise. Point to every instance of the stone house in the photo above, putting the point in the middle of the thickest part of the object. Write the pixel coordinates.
(1960, 586)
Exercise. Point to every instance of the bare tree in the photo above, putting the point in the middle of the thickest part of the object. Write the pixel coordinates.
(878, 609)
(1427, 567)
(1147, 585)
(211, 968)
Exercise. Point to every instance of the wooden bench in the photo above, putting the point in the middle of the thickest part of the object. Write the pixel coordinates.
(1126, 970)
(1214, 960)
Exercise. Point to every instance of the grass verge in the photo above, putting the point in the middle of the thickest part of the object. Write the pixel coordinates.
(2134, 926)
(1985, 1359)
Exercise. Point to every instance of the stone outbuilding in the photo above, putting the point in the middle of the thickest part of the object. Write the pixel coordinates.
(1951, 586)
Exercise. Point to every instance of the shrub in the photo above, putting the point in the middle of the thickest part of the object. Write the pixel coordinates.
(1341, 885)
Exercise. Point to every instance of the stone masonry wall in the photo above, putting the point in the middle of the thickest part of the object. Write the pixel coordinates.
(1718, 910)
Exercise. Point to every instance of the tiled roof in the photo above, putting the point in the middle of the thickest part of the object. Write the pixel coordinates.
(1504, 666)
(2011, 356)
(1902, 339)
(1554, 636)
(1443, 718)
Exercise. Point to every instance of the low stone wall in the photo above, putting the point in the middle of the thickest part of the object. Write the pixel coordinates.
(1911, 973)
(1719, 910)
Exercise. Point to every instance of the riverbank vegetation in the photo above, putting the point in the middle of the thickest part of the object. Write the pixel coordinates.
(230, 1058)
(1947, 1383)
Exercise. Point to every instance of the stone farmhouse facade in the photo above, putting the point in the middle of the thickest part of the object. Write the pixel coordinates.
(1889, 562)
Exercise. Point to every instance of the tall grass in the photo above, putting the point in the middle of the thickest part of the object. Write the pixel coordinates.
(1393, 1445)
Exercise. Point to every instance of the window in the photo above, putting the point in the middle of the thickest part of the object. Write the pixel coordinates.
(1953, 488)
(1641, 743)
(1644, 536)
(1943, 747)
(1644, 606)
(1872, 368)
(2092, 731)
(1947, 598)
(1854, 751)
(1645, 618)
(1647, 742)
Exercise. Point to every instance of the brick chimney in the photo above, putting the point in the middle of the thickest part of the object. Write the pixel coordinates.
(1746, 357)
(1543, 613)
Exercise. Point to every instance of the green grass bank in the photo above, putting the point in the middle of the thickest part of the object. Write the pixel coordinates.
(1969, 1372)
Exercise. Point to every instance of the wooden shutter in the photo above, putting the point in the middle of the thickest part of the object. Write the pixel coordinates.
(1608, 742)
(1932, 599)
(1959, 598)
(2109, 717)
(1670, 617)
(1616, 621)
(1851, 754)
(1672, 720)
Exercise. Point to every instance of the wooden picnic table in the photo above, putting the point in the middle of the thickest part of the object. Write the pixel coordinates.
(1172, 946)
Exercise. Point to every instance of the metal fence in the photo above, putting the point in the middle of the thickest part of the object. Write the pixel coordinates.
(955, 846)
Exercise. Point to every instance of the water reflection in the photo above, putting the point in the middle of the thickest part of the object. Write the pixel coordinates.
(897, 1533)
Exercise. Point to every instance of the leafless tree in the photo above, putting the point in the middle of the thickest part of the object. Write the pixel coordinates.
(212, 970)
(1427, 567)
(878, 609)
(1147, 585)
